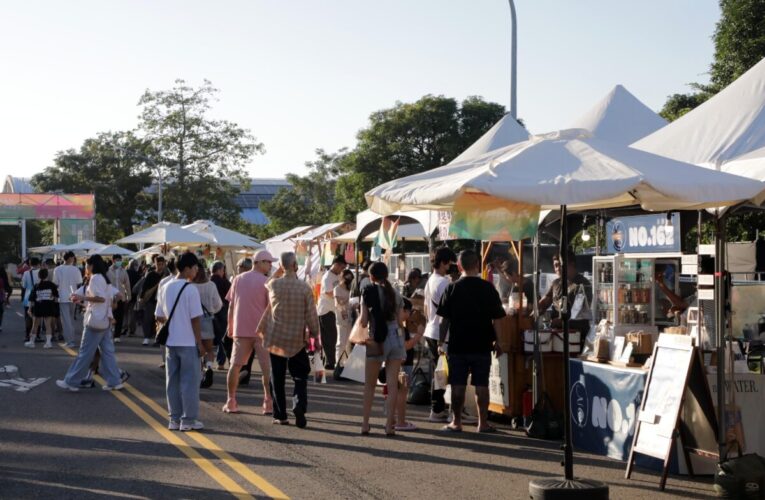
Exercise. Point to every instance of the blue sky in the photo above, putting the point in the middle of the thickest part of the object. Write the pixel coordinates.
(304, 74)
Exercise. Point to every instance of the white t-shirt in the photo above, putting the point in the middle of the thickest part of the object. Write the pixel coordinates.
(434, 289)
(189, 307)
(67, 278)
(98, 315)
(326, 303)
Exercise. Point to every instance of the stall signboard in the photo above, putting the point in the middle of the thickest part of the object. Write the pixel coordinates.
(644, 234)
(604, 404)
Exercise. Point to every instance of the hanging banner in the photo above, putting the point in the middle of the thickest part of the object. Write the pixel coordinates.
(444, 222)
(350, 253)
(387, 236)
(604, 405)
(477, 216)
(643, 234)
(301, 252)
(327, 255)
(47, 206)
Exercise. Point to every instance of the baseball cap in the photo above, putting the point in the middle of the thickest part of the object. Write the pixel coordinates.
(262, 255)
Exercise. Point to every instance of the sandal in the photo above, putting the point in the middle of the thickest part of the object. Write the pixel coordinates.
(231, 406)
(366, 432)
(449, 428)
(488, 430)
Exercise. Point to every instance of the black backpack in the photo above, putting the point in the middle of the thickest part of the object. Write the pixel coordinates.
(546, 423)
(419, 389)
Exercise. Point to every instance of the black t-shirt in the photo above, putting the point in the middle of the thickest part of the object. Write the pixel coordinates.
(152, 280)
(45, 298)
(471, 304)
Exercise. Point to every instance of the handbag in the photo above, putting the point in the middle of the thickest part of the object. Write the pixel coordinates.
(337, 374)
(164, 332)
(419, 390)
(580, 309)
(359, 334)
(546, 423)
(206, 324)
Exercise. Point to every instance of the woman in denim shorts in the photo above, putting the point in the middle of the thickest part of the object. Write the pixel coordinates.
(381, 309)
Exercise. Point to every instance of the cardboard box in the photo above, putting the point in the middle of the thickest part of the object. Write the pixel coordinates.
(642, 342)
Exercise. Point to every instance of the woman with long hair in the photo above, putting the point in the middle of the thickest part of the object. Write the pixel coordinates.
(211, 304)
(381, 308)
(97, 296)
(343, 313)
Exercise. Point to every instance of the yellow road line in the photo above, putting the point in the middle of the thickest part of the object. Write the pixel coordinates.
(240, 468)
(208, 467)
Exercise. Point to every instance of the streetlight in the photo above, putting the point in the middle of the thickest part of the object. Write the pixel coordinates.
(513, 61)
(155, 167)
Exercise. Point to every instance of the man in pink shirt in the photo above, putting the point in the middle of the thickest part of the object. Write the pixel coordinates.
(248, 299)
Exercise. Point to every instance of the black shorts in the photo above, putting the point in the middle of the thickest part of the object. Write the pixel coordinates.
(477, 365)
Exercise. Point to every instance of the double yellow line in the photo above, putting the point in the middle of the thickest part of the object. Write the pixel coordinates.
(192, 453)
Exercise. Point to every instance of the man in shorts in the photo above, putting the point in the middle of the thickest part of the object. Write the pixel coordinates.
(248, 299)
(470, 308)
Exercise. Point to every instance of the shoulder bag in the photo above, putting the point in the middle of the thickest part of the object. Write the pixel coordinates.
(164, 332)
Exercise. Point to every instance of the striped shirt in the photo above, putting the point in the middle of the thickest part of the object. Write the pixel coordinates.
(291, 310)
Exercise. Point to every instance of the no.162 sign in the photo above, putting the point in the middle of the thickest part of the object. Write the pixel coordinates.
(643, 234)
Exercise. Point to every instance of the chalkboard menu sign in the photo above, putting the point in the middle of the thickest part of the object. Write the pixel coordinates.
(677, 404)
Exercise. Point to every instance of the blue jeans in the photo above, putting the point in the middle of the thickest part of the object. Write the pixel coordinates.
(182, 374)
(91, 341)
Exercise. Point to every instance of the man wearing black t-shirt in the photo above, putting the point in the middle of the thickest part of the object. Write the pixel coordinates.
(469, 308)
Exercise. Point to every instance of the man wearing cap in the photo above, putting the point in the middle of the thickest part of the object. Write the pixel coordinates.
(326, 309)
(248, 299)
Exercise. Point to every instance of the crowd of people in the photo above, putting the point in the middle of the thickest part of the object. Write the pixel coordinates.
(202, 318)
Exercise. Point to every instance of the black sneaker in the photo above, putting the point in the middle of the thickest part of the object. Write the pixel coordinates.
(124, 376)
(300, 419)
(87, 384)
(207, 379)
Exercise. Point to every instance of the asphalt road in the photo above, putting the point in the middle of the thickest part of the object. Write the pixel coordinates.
(95, 444)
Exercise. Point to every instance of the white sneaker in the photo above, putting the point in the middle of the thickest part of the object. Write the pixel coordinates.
(117, 387)
(117, 340)
(30, 344)
(145, 341)
(173, 425)
(438, 417)
(48, 345)
(197, 425)
(62, 384)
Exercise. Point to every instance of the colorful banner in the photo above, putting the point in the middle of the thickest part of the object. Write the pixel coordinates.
(47, 206)
(387, 236)
(477, 216)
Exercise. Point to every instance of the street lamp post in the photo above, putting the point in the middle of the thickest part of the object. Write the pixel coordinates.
(513, 61)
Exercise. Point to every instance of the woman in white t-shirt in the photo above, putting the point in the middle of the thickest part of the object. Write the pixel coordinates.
(97, 332)
(343, 313)
(211, 304)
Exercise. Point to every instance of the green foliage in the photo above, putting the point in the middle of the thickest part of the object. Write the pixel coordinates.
(39, 232)
(118, 181)
(202, 159)
(312, 197)
(739, 44)
(411, 138)
(739, 39)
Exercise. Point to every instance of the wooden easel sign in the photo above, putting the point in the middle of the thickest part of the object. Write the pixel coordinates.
(676, 386)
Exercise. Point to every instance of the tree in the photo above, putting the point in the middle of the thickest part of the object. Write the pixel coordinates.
(739, 40)
(407, 139)
(311, 200)
(202, 159)
(118, 181)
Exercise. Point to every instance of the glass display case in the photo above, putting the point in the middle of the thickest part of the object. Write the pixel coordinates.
(624, 290)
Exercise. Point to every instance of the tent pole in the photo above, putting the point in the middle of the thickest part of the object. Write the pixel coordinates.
(568, 454)
(537, 361)
(720, 308)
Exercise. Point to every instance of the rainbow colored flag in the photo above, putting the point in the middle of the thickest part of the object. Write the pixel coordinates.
(387, 236)
(478, 216)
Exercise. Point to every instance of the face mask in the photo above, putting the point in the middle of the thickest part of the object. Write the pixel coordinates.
(118, 263)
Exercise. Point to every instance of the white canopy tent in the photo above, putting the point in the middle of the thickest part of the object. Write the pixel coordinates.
(111, 250)
(284, 242)
(220, 236)
(48, 249)
(751, 165)
(325, 231)
(567, 168)
(413, 232)
(165, 233)
(727, 126)
(503, 133)
(620, 117)
(87, 246)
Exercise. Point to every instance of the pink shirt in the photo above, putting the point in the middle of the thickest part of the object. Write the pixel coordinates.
(248, 299)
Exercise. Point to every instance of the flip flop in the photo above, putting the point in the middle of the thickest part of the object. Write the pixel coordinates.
(408, 426)
(454, 430)
(230, 409)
